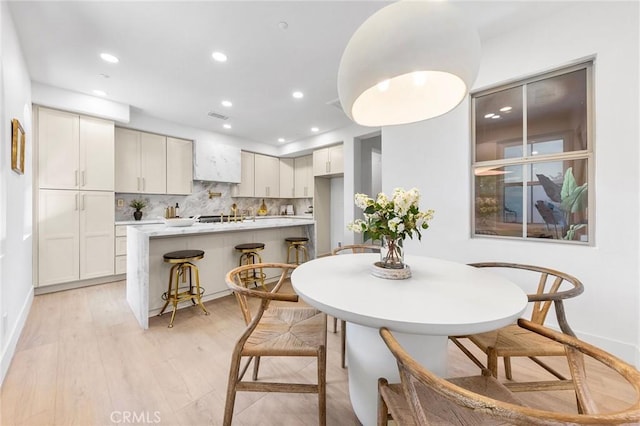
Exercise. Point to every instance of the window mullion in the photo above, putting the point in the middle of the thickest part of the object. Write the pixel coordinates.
(526, 168)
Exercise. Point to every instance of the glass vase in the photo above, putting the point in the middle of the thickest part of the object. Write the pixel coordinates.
(392, 253)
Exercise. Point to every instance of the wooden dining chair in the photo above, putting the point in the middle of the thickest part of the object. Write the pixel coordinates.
(423, 398)
(275, 331)
(553, 287)
(350, 248)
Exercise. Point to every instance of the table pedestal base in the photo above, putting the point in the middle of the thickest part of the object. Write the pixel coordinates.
(369, 359)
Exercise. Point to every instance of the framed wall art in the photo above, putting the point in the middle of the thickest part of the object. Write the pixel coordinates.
(18, 141)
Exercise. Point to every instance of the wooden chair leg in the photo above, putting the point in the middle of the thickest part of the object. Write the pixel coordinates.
(256, 366)
(492, 362)
(322, 386)
(507, 368)
(234, 370)
(383, 410)
(343, 342)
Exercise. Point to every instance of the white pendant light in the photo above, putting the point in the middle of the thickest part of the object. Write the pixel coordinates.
(410, 61)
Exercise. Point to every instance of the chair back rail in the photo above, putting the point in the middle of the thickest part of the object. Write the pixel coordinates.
(463, 404)
(549, 291)
(357, 248)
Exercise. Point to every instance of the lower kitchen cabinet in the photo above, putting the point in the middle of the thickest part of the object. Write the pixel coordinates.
(75, 235)
(121, 249)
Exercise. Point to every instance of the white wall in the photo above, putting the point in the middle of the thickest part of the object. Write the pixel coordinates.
(350, 137)
(434, 156)
(16, 290)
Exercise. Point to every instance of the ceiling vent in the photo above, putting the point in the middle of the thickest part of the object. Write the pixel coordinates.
(216, 115)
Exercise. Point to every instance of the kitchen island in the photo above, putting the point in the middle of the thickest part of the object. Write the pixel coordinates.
(148, 275)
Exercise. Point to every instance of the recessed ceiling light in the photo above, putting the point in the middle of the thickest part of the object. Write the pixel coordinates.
(99, 92)
(314, 129)
(219, 56)
(109, 58)
(226, 103)
(489, 115)
(283, 25)
(505, 109)
(494, 117)
(280, 139)
(298, 95)
(226, 126)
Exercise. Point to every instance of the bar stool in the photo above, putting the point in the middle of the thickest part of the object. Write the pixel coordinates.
(183, 267)
(299, 244)
(250, 254)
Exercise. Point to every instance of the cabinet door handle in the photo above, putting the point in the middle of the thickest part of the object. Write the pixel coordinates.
(143, 184)
(84, 177)
(138, 184)
(82, 200)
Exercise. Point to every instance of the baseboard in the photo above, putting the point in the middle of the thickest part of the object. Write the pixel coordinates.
(78, 284)
(14, 335)
(625, 351)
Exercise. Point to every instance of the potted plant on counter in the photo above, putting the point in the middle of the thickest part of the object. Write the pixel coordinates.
(138, 204)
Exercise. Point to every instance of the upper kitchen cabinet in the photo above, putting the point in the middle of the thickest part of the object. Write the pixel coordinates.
(247, 173)
(216, 162)
(266, 176)
(179, 166)
(328, 161)
(303, 176)
(75, 151)
(141, 162)
(287, 186)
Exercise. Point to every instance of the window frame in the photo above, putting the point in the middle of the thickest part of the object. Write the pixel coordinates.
(526, 159)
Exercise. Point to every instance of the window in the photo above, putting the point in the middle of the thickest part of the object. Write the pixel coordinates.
(532, 158)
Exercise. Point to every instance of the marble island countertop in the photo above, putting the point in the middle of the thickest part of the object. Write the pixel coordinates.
(162, 230)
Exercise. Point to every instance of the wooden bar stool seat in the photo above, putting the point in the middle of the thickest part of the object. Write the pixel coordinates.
(299, 245)
(183, 266)
(249, 255)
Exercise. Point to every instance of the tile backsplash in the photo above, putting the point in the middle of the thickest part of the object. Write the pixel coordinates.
(200, 203)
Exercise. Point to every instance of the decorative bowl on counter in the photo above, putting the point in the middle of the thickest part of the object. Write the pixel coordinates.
(180, 221)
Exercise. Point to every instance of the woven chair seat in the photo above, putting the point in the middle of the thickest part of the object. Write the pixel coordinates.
(287, 332)
(439, 412)
(516, 341)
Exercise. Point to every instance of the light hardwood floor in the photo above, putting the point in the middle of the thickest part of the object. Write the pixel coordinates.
(83, 360)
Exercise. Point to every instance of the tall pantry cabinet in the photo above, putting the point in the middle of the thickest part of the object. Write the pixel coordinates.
(75, 197)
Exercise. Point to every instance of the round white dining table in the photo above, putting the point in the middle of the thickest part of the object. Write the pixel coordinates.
(440, 299)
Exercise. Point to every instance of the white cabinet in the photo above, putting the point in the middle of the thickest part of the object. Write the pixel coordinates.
(75, 235)
(140, 162)
(179, 166)
(287, 189)
(247, 170)
(303, 176)
(266, 176)
(121, 249)
(328, 161)
(216, 162)
(75, 152)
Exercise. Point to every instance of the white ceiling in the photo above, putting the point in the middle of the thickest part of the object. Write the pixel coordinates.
(166, 69)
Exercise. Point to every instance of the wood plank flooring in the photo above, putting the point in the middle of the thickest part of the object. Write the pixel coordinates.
(82, 359)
